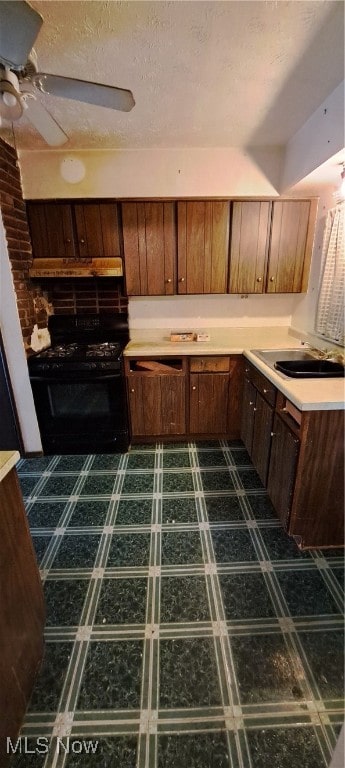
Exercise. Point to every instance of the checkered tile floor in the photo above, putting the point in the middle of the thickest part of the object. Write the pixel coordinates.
(184, 627)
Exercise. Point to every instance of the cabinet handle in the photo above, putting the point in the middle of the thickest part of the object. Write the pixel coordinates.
(193, 388)
(181, 280)
(259, 279)
(169, 280)
(82, 241)
(272, 279)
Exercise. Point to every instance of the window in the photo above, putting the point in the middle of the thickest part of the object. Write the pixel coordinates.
(330, 309)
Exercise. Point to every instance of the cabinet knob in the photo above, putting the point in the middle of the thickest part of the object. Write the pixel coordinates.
(272, 434)
(132, 390)
(251, 402)
(255, 409)
(82, 241)
(169, 280)
(68, 240)
(181, 280)
(266, 391)
(272, 279)
(259, 279)
(193, 388)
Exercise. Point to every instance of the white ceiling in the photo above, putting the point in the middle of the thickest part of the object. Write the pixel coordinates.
(203, 74)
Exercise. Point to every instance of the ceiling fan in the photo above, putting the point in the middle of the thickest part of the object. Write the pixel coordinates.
(20, 83)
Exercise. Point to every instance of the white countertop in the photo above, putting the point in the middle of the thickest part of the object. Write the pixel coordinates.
(8, 459)
(305, 394)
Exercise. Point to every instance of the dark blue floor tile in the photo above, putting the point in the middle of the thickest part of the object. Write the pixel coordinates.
(193, 750)
(122, 601)
(46, 514)
(184, 598)
(89, 513)
(188, 673)
(41, 544)
(264, 669)
(48, 687)
(112, 676)
(77, 551)
(233, 546)
(181, 547)
(306, 593)
(129, 550)
(280, 546)
(134, 512)
(285, 747)
(245, 596)
(64, 601)
(216, 480)
(182, 510)
(223, 509)
(324, 650)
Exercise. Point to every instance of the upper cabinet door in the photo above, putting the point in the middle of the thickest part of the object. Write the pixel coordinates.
(293, 223)
(203, 246)
(74, 230)
(149, 239)
(97, 230)
(51, 229)
(249, 246)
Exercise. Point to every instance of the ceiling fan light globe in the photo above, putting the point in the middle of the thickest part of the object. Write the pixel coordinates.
(14, 110)
(9, 99)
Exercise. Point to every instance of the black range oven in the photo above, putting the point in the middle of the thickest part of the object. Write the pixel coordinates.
(78, 385)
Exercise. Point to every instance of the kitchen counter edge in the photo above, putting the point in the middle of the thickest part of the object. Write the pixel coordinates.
(8, 460)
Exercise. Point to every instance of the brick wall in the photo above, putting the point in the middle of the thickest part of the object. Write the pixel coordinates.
(66, 296)
(85, 296)
(17, 236)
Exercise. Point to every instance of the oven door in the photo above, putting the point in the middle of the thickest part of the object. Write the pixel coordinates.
(81, 412)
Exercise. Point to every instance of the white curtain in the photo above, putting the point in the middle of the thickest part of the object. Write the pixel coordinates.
(330, 308)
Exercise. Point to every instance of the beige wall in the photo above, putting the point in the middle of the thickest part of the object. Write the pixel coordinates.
(218, 172)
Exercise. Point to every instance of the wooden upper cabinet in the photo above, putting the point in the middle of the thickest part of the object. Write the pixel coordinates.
(292, 233)
(149, 239)
(73, 230)
(203, 246)
(97, 230)
(51, 229)
(249, 246)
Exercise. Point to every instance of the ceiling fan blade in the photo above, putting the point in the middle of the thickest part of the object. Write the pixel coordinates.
(19, 27)
(82, 90)
(44, 122)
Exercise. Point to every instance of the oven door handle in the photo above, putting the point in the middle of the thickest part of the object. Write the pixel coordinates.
(65, 379)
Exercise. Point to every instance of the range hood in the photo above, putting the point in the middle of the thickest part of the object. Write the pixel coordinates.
(108, 267)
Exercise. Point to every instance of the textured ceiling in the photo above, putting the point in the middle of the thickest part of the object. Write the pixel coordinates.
(203, 74)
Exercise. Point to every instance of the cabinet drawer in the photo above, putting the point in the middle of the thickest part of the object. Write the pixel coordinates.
(209, 364)
(264, 386)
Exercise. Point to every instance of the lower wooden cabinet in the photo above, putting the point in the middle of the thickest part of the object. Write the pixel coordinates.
(282, 469)
(157, 399)
(299, 456)
(188, 397)
(208, 403)
(257, 420)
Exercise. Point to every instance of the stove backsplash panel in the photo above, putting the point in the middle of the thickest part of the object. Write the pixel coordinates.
(85, 295)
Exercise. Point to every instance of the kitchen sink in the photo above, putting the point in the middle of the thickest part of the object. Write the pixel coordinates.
(298, 363)
(304, 369)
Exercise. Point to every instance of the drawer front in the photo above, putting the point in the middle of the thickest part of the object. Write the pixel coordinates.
(210, 364)
(264, 386)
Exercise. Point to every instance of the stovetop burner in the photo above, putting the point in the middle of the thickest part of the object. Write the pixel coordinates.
(108, 350)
